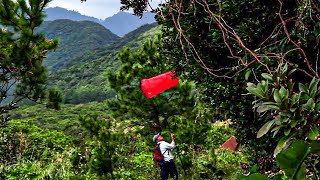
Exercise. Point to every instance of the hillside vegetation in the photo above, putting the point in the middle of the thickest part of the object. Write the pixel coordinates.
(76, 38)
(86, 81)
(248, 72)
(133, 39)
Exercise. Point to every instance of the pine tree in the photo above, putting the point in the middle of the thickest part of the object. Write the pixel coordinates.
(130, 103)
(22, 51)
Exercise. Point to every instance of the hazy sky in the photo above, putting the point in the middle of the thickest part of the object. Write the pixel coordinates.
(95, 8)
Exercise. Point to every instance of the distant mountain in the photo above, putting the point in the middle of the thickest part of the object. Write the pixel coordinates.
(61, 13)
(120, 23)
(123, 23)
(86, 81)
(133, 39)
(76, 39)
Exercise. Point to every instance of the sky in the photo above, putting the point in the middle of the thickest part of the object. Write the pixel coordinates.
(100, 9)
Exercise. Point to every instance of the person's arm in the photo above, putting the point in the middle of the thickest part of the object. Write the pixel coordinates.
(172, 137)
(172, 144)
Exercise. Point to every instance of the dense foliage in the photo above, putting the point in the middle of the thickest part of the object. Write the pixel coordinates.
(120, 147)
(228, 43)
(21, 53)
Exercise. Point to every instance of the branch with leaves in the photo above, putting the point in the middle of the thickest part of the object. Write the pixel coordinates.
(22, 51)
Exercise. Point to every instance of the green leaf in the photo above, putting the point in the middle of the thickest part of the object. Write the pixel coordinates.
(273, 107)
(275, 133)
(313, 133)
(256, 105)
(291, 160)
(293, 110)
(315, 147)
(313, 87)
(255, 176)
(267, 76)
(276, 96)
(301, 174)
(255, 91)
(277, 127)
(291, 72)
(279, 177)
(303, 88)
(317, 108)
(254, 169)
(293, 123)
(285, 114)
(287, 132)
(281, 144)
(284, 92)
(295, 99)
(249, 84)
(285, 68)
(284, 119)
(246, 76)
(262, 108)
(265, 128)
(310, 105)
(269, 103)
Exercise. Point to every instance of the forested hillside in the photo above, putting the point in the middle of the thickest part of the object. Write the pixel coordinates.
(85, 81)
(232, 86)
(133, 39)
(76, 38)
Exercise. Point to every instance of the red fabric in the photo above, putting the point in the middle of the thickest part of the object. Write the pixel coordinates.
(153, 86)
(231, 144)
(157, 155)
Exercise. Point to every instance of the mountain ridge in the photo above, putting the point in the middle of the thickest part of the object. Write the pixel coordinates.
(120, 23)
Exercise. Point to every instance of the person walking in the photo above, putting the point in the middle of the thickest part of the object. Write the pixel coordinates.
(167, 166)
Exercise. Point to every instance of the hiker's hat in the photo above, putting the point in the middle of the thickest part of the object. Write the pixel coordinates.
(155, 137)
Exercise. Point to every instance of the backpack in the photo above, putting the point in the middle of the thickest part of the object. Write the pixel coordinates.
(157, 155)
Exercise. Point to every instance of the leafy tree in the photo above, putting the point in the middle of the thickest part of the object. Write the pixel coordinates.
(294, 116)
(237, 41)
(22, 52)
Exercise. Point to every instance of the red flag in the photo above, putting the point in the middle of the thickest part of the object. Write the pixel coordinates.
(153, 86)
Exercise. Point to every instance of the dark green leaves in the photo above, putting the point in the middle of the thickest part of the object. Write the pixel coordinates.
(259, 90)
(277, 96)
(265, 128)
(313, 133)
(292, 160)
(22, 52)
(266, 76)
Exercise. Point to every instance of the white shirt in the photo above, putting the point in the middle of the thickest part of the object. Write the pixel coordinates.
(166, 149)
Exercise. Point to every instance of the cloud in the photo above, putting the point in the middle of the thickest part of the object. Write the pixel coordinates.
(96, 8)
